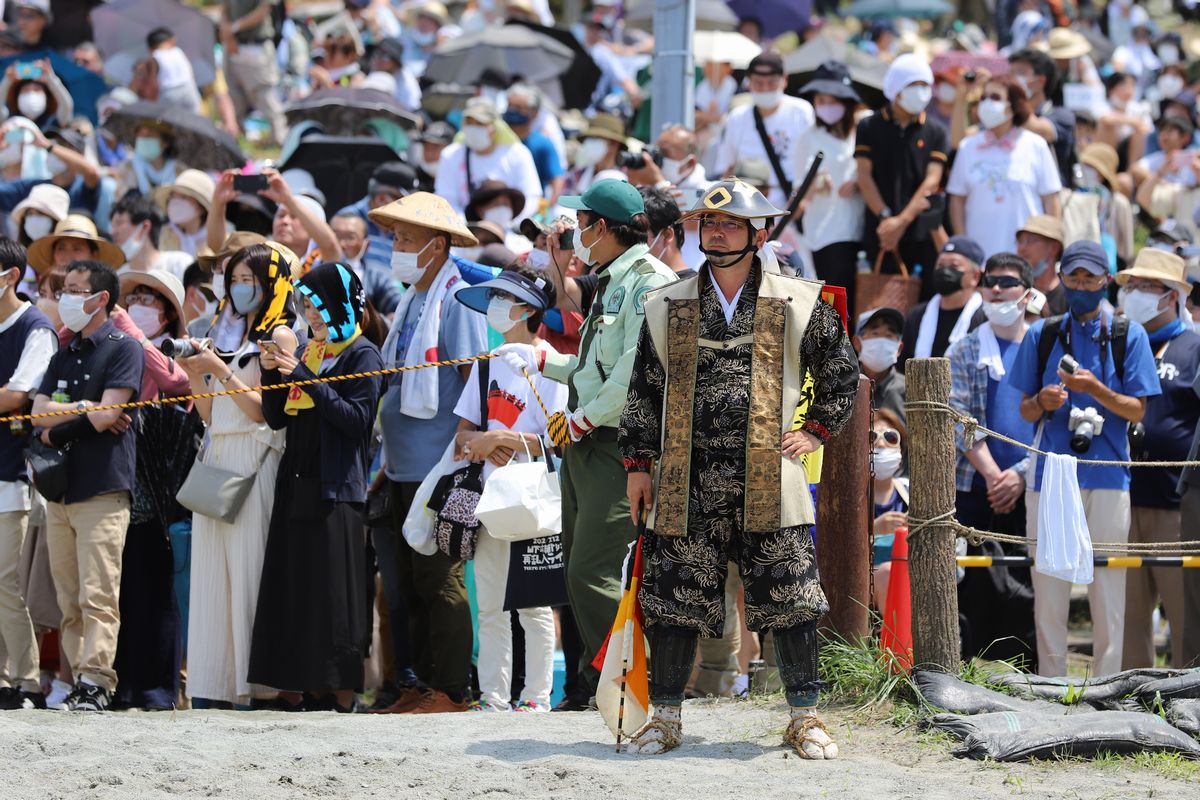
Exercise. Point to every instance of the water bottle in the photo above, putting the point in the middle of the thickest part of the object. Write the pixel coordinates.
(60, 394)
(917, 271)
(862, 265)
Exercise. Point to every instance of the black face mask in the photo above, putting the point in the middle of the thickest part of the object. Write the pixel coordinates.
(946, 280)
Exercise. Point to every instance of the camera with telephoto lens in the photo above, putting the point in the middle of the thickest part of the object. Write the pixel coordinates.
(182, 348)
(628, 159)
(1084, 425)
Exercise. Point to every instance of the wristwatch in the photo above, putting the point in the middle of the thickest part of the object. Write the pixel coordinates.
(885, 213)
(81, 406)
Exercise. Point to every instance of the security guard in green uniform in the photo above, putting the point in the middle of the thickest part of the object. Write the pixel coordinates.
(611, 240)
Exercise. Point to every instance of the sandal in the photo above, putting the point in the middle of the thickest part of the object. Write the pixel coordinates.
(810, 738)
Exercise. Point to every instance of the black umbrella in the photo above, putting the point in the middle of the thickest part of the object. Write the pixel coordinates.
(340, 165)
(579, 81)
(198, 142)
(866, 71)
(505, 52)
(342, 111)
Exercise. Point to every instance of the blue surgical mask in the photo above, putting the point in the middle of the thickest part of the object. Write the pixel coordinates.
(1083, 302)
(516, 117)
(148, 147)
(246, 298)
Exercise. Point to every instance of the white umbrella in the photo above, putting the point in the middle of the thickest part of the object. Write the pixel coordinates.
(724, 46)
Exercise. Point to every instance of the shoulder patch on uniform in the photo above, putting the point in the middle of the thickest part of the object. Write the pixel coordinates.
(615, 300)
(639, 299)
(643, 267)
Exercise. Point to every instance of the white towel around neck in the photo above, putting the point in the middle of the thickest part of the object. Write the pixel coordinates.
(929, 321)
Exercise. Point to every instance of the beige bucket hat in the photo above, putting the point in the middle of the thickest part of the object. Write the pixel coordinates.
(73, 226)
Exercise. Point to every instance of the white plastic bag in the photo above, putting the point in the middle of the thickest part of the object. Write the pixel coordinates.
(1064, 544)
(418, 523)
(521, 501)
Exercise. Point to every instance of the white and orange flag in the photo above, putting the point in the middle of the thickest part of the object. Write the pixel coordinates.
(623, 694)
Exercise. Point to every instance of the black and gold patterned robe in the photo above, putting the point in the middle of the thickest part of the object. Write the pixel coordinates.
(684, 578)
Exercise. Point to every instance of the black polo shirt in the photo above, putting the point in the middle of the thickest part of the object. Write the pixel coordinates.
(899, 156)
(98, 463)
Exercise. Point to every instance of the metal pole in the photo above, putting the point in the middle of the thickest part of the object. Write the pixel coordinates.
(673, 84)
(931, 557)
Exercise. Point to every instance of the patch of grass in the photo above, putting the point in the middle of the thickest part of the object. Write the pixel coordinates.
(1168, 765)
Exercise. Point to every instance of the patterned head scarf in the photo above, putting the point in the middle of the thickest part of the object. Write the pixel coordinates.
(277, 308)
(337, 294)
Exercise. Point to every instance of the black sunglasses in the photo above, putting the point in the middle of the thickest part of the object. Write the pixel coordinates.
(1003, 281)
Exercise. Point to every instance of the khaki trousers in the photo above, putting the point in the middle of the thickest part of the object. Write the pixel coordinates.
(1144, 587)
(18, 647)
(86, 540)
(717, 667)
(1107, 512)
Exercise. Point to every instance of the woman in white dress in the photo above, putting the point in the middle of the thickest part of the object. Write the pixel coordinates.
(227, 558)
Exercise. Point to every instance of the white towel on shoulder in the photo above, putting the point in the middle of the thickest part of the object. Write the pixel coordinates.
(929, 320)
(419, 388)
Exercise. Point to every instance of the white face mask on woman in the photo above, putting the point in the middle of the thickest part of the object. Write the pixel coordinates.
(993, 113)
(887, 462)
(879, 353)
(499, 314)
(32, 104)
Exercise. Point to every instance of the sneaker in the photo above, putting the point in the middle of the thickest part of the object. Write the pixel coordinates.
(12, 698)
(407, 700)
(480, 705)
(531, 706)
(87, 697)
(435, 702)
(577, 703)
(59, 692)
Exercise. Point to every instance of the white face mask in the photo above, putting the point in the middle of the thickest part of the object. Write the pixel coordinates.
(592, 152)
(1141, 306)
(133, 245)
(218, 286)
(993, 113)
(10, 154)
(36, 226)
(1168, 54)
(947, 93)
(672, 169)
(429, 166)
(582, 252)
(499, 314)
(32, 104)
(477, 137)
(148, 319)
(538, 259)
(879, 353)
(914, 99)
(55, 165)
(765, 100)
(209, 310)
(654, 243)
(501, 215)
(70, 308)
(1170, 85)
(180, 210)
(830, 114)
(405, 266)
(1004, 313)
(887, 461)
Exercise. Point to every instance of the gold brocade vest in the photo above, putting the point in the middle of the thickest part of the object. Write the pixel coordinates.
(777, 493)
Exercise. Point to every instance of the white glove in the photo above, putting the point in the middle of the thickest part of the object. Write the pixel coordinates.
(578, 425)
(518, 358)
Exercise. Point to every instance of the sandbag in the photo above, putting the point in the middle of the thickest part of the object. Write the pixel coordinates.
(1009, 736)
(1103, 693)
(950, 693)
(1185, 715)
(1179, 687)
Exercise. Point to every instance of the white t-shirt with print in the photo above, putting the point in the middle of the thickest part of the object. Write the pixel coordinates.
(1003, 187)
(511, 403)
(740, 141)
(511, 164)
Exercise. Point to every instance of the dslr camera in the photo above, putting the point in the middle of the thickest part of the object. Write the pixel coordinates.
(628, 159)
(182, 348)
(1084, 425)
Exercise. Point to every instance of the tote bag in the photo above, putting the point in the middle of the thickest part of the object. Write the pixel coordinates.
(521, 501)
(878, 290)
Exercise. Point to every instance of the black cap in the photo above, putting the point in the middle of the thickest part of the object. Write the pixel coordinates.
(766, 63)
(832, 78)
(965, 246)
(391, 47)
(437, 133)
(394, 175)
(892, 317)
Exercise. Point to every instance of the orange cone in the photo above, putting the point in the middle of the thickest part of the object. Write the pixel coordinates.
(896, 636)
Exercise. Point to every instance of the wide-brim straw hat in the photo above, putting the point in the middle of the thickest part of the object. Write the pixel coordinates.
(425, 210)
(233, 242)
(190, 183)
(1064, 44)
(73, 226)
(1104, 159)
(1157, 265)
(165, 284)
(1047, 226)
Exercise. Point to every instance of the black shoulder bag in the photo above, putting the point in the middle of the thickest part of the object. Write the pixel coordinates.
(772, 156)
(456, 496)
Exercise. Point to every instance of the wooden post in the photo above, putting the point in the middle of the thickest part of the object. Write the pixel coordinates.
(931, 558)
(843, 519)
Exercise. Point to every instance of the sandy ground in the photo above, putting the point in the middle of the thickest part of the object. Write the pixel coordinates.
(730, 750)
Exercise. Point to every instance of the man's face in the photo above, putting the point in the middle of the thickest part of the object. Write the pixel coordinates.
(79, 283)
(382, 198)
(1082, 280)
(1024, 75)
(351, 233)
(287, 230)
(766, 83)
(431, 152)
(410, 238)
(1036, 248)
(89, 59)
(68, 250)
(1005, 285)
(519, 105)
(963, 265)
(879, 329)
(675, 144)
(121, 226)
(30, 24)
(1167, 297)
(1171, 138)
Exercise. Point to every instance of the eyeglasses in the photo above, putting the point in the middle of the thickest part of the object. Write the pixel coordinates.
(1086, 282)
(995, 96)
(76, 292)
(1001, 281)
(500, 294)
(890, 436)
(725, 226)
(141, 299)
(1145, 286)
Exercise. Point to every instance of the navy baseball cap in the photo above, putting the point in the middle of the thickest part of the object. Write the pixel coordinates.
(1084, 255)
(967, 247)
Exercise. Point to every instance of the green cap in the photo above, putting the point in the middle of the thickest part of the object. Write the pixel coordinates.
(610, 198)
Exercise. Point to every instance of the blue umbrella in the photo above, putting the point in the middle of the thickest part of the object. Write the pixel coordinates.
(84, 86)
(777, 16)
(912, 9)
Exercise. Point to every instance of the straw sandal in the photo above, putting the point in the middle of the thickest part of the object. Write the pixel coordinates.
(810, 738)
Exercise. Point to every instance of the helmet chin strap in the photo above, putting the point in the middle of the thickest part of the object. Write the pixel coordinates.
(734, 256)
